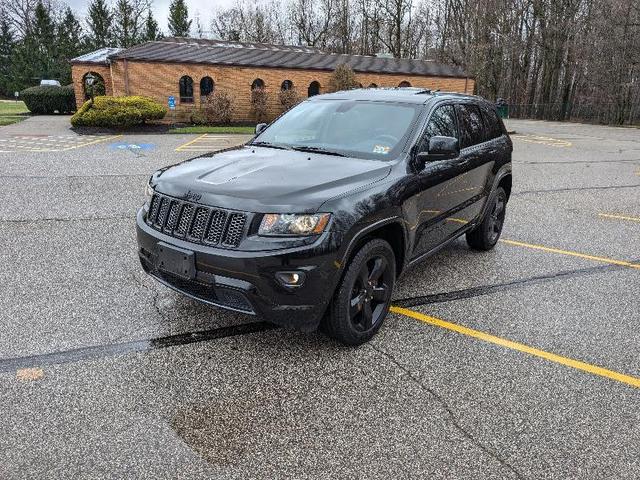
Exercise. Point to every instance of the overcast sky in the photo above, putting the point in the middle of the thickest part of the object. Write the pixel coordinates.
(161, 9)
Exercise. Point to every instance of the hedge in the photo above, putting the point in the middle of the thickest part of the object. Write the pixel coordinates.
(118, 112)
(49, 99)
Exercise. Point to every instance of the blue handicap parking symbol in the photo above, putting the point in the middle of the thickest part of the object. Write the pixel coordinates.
(131, 146)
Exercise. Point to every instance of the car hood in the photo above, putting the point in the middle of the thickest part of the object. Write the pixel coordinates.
(260, 179)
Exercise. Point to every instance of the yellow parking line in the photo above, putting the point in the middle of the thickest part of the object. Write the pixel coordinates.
(104, 139)
(181, 147)
(552, 357)
(619, 217)
(572, 254)
(551, 142)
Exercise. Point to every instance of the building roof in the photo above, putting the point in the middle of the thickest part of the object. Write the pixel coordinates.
(217, 52)
(100, 56)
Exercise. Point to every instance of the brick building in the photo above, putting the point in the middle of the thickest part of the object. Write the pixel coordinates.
(189, 69)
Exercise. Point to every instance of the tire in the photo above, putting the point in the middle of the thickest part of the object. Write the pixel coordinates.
(363, 297)
(486, 235)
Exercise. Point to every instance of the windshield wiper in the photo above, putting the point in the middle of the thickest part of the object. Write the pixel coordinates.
(270, 145)
(317, 150)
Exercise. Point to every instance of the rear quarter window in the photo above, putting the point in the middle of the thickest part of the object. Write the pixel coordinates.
(471, 125)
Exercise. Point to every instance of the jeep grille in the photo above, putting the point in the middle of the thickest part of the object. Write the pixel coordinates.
(195, 223)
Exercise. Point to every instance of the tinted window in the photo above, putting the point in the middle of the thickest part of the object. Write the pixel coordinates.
(492, 122)
(471, 127)
(442, 123)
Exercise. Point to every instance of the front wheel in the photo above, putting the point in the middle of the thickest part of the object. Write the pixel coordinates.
(486, 235)
(363, 297)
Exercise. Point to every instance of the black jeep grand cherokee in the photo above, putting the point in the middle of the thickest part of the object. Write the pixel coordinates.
(313, 220)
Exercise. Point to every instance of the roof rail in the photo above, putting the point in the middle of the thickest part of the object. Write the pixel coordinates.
(426, 91)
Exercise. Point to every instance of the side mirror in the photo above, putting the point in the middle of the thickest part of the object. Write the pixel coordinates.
(440, 148)
(260, 128)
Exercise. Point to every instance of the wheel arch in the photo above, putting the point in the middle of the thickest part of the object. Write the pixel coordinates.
(391, 230)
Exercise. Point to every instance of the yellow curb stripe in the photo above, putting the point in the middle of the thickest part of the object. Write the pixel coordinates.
(179, 149)
(111, 137)
(572, 254)
(619, 217)
(552, 357)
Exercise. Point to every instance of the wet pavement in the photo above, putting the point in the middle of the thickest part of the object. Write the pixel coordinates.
(522, 362)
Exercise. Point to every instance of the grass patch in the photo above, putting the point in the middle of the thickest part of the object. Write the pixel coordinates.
(11, 108)
(7, 120)
(12, 112)
(210, 129)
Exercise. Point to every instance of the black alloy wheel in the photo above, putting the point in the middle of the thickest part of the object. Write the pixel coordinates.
(370, 294)
(487, 233)
(362, 300)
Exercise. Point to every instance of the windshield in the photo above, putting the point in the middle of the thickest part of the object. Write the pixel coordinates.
(362, 129)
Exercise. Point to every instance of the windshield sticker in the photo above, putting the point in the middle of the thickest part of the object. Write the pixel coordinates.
(383, 149)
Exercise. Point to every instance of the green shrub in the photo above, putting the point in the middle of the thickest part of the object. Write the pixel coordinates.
(118, 112)
(49, 99)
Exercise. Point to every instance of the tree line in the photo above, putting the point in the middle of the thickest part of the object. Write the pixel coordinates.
(550, 59)
(39, 37)
(553, 59)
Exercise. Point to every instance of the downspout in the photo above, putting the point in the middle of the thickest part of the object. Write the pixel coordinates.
(466, 81)
(126, 77)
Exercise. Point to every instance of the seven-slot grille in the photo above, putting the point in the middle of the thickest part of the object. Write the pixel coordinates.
(195, 223)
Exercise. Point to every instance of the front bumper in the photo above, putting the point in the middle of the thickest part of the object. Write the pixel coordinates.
(245, 281)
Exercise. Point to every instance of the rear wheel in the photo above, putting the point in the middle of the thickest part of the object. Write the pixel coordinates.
(363, 297)
(486, 235)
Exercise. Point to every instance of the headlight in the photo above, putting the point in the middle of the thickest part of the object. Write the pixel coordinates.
(292, 224)
(148, 193)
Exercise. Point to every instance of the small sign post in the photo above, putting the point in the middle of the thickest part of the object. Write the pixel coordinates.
(16, 94)
(172, 107)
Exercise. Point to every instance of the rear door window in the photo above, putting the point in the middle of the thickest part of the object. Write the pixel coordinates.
(491, 122)
(471, 126)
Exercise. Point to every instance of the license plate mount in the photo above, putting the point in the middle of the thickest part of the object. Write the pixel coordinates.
(176, 261)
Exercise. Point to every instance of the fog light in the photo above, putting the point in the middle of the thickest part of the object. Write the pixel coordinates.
(291, 279)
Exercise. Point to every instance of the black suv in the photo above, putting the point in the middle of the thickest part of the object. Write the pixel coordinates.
(311, 221)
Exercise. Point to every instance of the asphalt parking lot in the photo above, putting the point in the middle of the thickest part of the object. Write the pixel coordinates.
(522, 362)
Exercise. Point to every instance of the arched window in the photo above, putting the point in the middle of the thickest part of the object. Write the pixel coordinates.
(314, 89)
(286, 85)
(404, 83)
(258, 84)
(206, 87)
(186, 89)
(97, 88)
(373, 85)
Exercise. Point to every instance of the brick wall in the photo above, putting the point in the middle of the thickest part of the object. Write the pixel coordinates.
(159, 80)
(79, 70)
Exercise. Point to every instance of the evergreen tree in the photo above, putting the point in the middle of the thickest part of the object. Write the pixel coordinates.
(151, 30)
(129, 21)
(41, 45)
(179, 23)
(34, 57)
(69, 43)
(100, 25)
(7, 44)
(124, 24)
